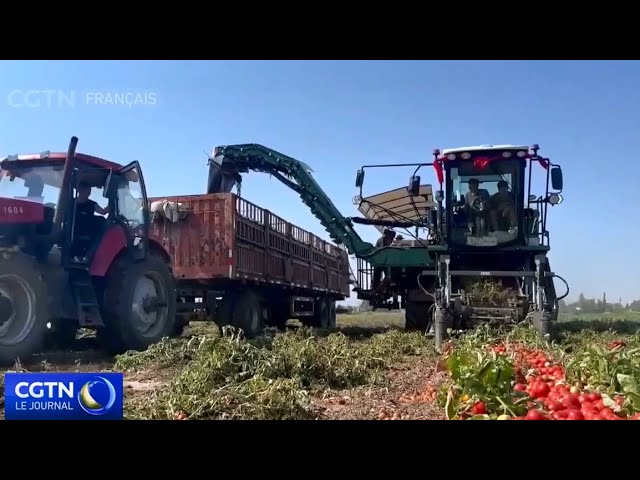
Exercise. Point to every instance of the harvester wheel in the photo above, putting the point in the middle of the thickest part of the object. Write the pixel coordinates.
(24, 311)
(140, 305)
(442, 320)
(541, 323)
(247, 314)
(417, 316)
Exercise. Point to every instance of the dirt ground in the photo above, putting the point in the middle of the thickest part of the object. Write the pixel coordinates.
(409, 392)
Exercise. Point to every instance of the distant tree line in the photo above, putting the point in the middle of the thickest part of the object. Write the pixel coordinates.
(598, 305)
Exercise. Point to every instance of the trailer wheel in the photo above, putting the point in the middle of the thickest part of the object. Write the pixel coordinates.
(279, 313)
(333, 321)
(140, 305)
(322, 317)
(24, 310)
(247, 314)
(224, 310)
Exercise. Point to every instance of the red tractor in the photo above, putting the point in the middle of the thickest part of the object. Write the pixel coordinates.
(63, 267)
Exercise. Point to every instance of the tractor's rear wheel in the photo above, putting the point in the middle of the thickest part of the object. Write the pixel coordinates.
(24, 310)
(63, 333)
(140, 305)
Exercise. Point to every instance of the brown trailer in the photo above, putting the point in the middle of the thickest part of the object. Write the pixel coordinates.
(241, 265)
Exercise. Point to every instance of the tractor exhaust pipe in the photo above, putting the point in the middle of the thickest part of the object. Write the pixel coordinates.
(64, 189)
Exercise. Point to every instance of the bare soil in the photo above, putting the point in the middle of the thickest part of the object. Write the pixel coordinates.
(408, 393)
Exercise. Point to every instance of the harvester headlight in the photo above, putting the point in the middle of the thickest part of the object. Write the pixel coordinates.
(451, 156)
(555, 199)
(357, 200)
(466, 156)
(521, 154)
(506, 154)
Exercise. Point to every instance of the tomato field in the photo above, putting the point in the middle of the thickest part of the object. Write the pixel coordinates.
(369, 368)
(514, 375)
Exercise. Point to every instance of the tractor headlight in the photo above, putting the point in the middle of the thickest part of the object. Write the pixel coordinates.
(357, 200)
(555, 199)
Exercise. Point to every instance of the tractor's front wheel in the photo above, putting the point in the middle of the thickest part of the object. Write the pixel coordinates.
(140, 305)
(24, 311)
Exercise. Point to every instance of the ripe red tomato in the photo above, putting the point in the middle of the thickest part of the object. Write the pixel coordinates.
(560, 415)
(519, 387)
(599, 405)
(571, 401)
(479, 408)
(606, 411)
(555, 406)
(636, 416)
(593, 397)
(540, 389)
(587, 405)
(535, 415)
(590, 414)
(573, 414)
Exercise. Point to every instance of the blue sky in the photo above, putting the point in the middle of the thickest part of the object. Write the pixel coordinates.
(338, 115)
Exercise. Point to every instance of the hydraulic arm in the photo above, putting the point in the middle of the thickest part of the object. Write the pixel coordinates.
(231, 160)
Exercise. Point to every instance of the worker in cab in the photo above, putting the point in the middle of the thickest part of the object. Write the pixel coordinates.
(86, 206)
(475, 194)
(385, 240)
(86, 224)
(502, 211)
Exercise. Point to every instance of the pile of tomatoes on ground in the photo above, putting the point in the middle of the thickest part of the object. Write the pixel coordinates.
(550, 398)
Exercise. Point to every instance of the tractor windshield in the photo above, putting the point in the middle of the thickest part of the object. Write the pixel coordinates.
(37, 184)
(483, 202)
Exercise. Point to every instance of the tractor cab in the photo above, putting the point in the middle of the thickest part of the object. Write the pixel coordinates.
(487, 201)
(74, 237)
(34, 193)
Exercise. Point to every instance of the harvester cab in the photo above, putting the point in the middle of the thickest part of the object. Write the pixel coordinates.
(485, 259)
(65, 266)
(487, 195)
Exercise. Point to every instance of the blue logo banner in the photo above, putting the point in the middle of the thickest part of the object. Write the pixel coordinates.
(63, 396)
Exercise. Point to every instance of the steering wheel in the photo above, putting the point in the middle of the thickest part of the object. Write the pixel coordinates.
(133, 223)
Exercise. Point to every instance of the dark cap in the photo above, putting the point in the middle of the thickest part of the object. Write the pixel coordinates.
(83, 185)
(503, 183)
(474, 180)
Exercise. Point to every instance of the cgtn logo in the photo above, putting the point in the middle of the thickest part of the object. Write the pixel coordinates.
(63, 396)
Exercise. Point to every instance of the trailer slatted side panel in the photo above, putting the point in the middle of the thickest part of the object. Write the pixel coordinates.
(202, 244)
(287, 254)
(224, 236)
